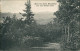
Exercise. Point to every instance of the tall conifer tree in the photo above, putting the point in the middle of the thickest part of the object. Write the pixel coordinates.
(28, 14)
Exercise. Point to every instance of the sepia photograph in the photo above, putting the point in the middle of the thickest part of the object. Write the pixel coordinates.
(39, 25)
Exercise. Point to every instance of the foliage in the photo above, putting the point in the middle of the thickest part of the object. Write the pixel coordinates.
(67, 16)
(28, 14)
(15, 32)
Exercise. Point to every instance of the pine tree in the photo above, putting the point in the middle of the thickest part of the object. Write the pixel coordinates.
(28, 14)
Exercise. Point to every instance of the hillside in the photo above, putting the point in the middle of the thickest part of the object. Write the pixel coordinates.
(41, 17)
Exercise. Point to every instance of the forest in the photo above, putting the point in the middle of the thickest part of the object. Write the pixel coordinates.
(65, 28)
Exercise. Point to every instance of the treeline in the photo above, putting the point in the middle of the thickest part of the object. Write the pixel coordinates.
(15, 32)
(26, 32)
(68, 16)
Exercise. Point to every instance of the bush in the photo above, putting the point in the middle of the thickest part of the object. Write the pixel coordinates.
(30, 41)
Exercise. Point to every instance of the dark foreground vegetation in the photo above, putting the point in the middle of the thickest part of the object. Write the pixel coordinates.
(65, 29)
(15, 32)
(68, 16)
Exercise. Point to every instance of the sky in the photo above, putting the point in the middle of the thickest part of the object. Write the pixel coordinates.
(43, 9)
(0, 6)
(16, 6)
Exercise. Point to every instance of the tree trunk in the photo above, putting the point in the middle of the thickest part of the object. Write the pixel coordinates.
(62, 30)
(79, 27)
(65, 31)
(68, 38)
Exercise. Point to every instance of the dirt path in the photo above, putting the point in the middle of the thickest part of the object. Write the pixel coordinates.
(55, 46)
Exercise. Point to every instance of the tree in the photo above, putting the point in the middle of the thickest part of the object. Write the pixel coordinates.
(28, 14)
(67, 14)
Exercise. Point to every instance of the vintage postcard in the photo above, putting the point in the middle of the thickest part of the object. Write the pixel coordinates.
(39, 25)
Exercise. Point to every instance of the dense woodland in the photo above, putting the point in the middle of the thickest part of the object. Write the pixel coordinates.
(68, 16)
(65, 28)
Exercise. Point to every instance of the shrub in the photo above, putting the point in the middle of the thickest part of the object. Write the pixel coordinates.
(29, 41)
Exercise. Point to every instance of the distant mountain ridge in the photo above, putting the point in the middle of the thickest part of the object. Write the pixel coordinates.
(41, 17)
(11, 15)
